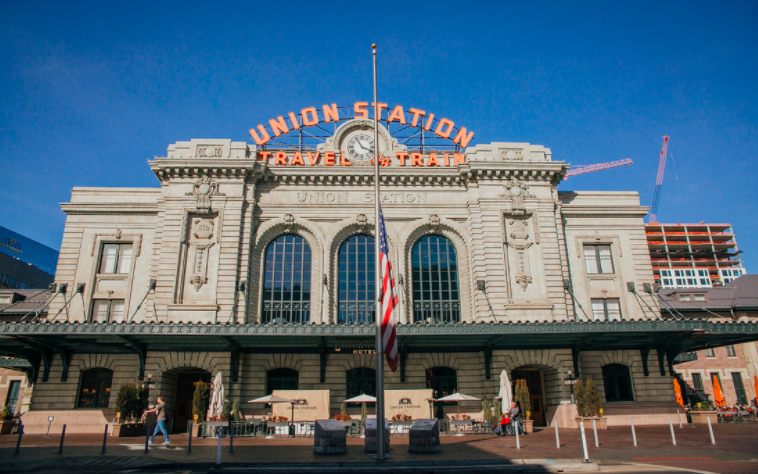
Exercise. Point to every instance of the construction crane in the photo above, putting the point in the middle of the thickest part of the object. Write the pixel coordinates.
(581, 169)
(659, 181)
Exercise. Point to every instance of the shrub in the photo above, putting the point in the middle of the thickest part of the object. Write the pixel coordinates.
(122, 402)
(498, 408)
(200, 401)
(593, 404)
(579, 397)
(486, 410)
(226, 414)
(523, 399)
(6, 413)
(142, 397)
(236, 410)
(364, 412)
(343, 410)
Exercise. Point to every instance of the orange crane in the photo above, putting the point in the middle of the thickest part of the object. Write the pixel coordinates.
(581, 169)
(659, 181)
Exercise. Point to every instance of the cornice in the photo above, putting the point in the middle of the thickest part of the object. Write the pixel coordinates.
(108, 209)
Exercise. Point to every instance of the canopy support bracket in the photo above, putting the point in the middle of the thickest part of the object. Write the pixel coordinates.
(644, 353)
(140, 351)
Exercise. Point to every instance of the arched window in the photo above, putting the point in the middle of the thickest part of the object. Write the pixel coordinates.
(361, 380)
(435, 280)
(618, 383)
(281, 379)
(442, 380)
(287, 281)
(95, 390)
(357, 290)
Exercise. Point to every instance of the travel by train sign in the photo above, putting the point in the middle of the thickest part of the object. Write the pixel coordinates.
(419, 138)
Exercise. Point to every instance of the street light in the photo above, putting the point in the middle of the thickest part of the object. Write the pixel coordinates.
(571, 380)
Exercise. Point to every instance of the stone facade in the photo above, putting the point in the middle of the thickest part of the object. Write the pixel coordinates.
(202, 236)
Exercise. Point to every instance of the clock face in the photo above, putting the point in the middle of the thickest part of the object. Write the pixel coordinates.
(361, 147)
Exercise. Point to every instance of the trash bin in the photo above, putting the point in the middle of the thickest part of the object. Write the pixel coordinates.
(292, 430)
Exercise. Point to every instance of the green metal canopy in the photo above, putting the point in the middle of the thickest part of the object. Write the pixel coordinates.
(37, 342)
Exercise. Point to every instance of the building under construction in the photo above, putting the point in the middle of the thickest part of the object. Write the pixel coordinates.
(693, 255)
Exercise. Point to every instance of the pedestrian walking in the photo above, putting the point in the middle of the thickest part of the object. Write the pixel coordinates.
(160, 425)
(515, 415)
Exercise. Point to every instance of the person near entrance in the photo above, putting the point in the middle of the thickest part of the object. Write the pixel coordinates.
(515, 415)
(160, 413)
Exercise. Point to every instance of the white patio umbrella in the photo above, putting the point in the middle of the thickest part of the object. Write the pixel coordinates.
(458, 397)
(505, 392)
(275, 399)
(362, 398)
(217, 398)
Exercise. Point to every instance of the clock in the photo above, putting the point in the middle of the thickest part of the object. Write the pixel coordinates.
(361, 147)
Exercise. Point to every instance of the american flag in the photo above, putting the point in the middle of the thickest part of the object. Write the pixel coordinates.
(389, 298)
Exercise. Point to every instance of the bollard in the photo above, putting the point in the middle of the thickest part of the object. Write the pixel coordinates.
(218, 451)
(515, 429)
(584, 442)
(594, 428)
(20, 434)
(231, 438)
(63, 435)
(673, 437)
(189, 441)
(105, 437)
(634, 435)
(710, 428)
(557, 440)
(678, 415)
(147, 436)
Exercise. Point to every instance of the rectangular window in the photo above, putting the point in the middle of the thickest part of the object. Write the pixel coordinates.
(606, 309)
(697, 384)
(597, 259)
(116, 258)
(710, 353)
(13, 389)
(684, 297)
(739, 388)
(730, 351)
(699, 297)
(108, 311)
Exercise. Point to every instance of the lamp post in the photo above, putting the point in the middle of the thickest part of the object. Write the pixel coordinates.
(571, 380)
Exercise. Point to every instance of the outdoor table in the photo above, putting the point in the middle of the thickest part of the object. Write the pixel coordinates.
(400, 427)
(461, 426)
(214, 424)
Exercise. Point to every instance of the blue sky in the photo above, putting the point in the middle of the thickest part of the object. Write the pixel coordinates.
(90, 91)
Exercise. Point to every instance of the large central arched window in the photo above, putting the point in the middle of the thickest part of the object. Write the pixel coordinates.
(435, 281)
(357, 291)
(287, 281)
(360, 381)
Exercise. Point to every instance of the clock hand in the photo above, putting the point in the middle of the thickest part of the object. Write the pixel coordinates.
(365, 144)
(358, 149)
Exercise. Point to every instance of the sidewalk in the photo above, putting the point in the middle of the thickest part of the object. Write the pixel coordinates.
(735, 452)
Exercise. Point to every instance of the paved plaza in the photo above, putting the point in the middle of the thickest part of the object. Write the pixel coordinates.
(734, 452)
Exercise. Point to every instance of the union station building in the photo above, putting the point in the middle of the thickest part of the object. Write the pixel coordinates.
(257, 261)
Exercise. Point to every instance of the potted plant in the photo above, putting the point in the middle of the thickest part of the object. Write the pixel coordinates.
(200, 405)
(6, 417)
(589, 407)
(702, 412)
(343, 417)
(124, 406)
(524, 400)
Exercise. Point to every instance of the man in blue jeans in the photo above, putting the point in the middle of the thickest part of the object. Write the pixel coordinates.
(160, 412)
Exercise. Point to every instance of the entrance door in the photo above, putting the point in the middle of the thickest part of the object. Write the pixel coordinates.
(533, 379)
(185, 390)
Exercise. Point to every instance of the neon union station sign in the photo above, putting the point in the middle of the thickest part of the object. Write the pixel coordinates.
(418, 137)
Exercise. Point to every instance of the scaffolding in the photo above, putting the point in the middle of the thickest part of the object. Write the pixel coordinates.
(693, 255)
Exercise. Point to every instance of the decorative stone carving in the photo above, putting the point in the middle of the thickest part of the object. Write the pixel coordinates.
(362, 219)
(202, 233)
(517, 191)
(118, 234)
(512, 154)
(518, 231)
(434, 219)
(204, 188)
(209, 151)
(289, 219)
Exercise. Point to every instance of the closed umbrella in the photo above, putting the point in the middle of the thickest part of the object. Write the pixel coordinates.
(217, 398)
(505, 391)
(678, 392)
(755, 387)
(718, 394)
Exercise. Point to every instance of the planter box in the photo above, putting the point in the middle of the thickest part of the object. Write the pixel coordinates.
(528, 426)
(600, 422)
(125, 430)
(7, 427)
(701, 417)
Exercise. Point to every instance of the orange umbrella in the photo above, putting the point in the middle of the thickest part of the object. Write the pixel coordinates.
(678, 392)
(755, 386)
(718, 395)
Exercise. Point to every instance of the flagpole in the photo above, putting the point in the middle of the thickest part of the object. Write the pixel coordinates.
(378, 286)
